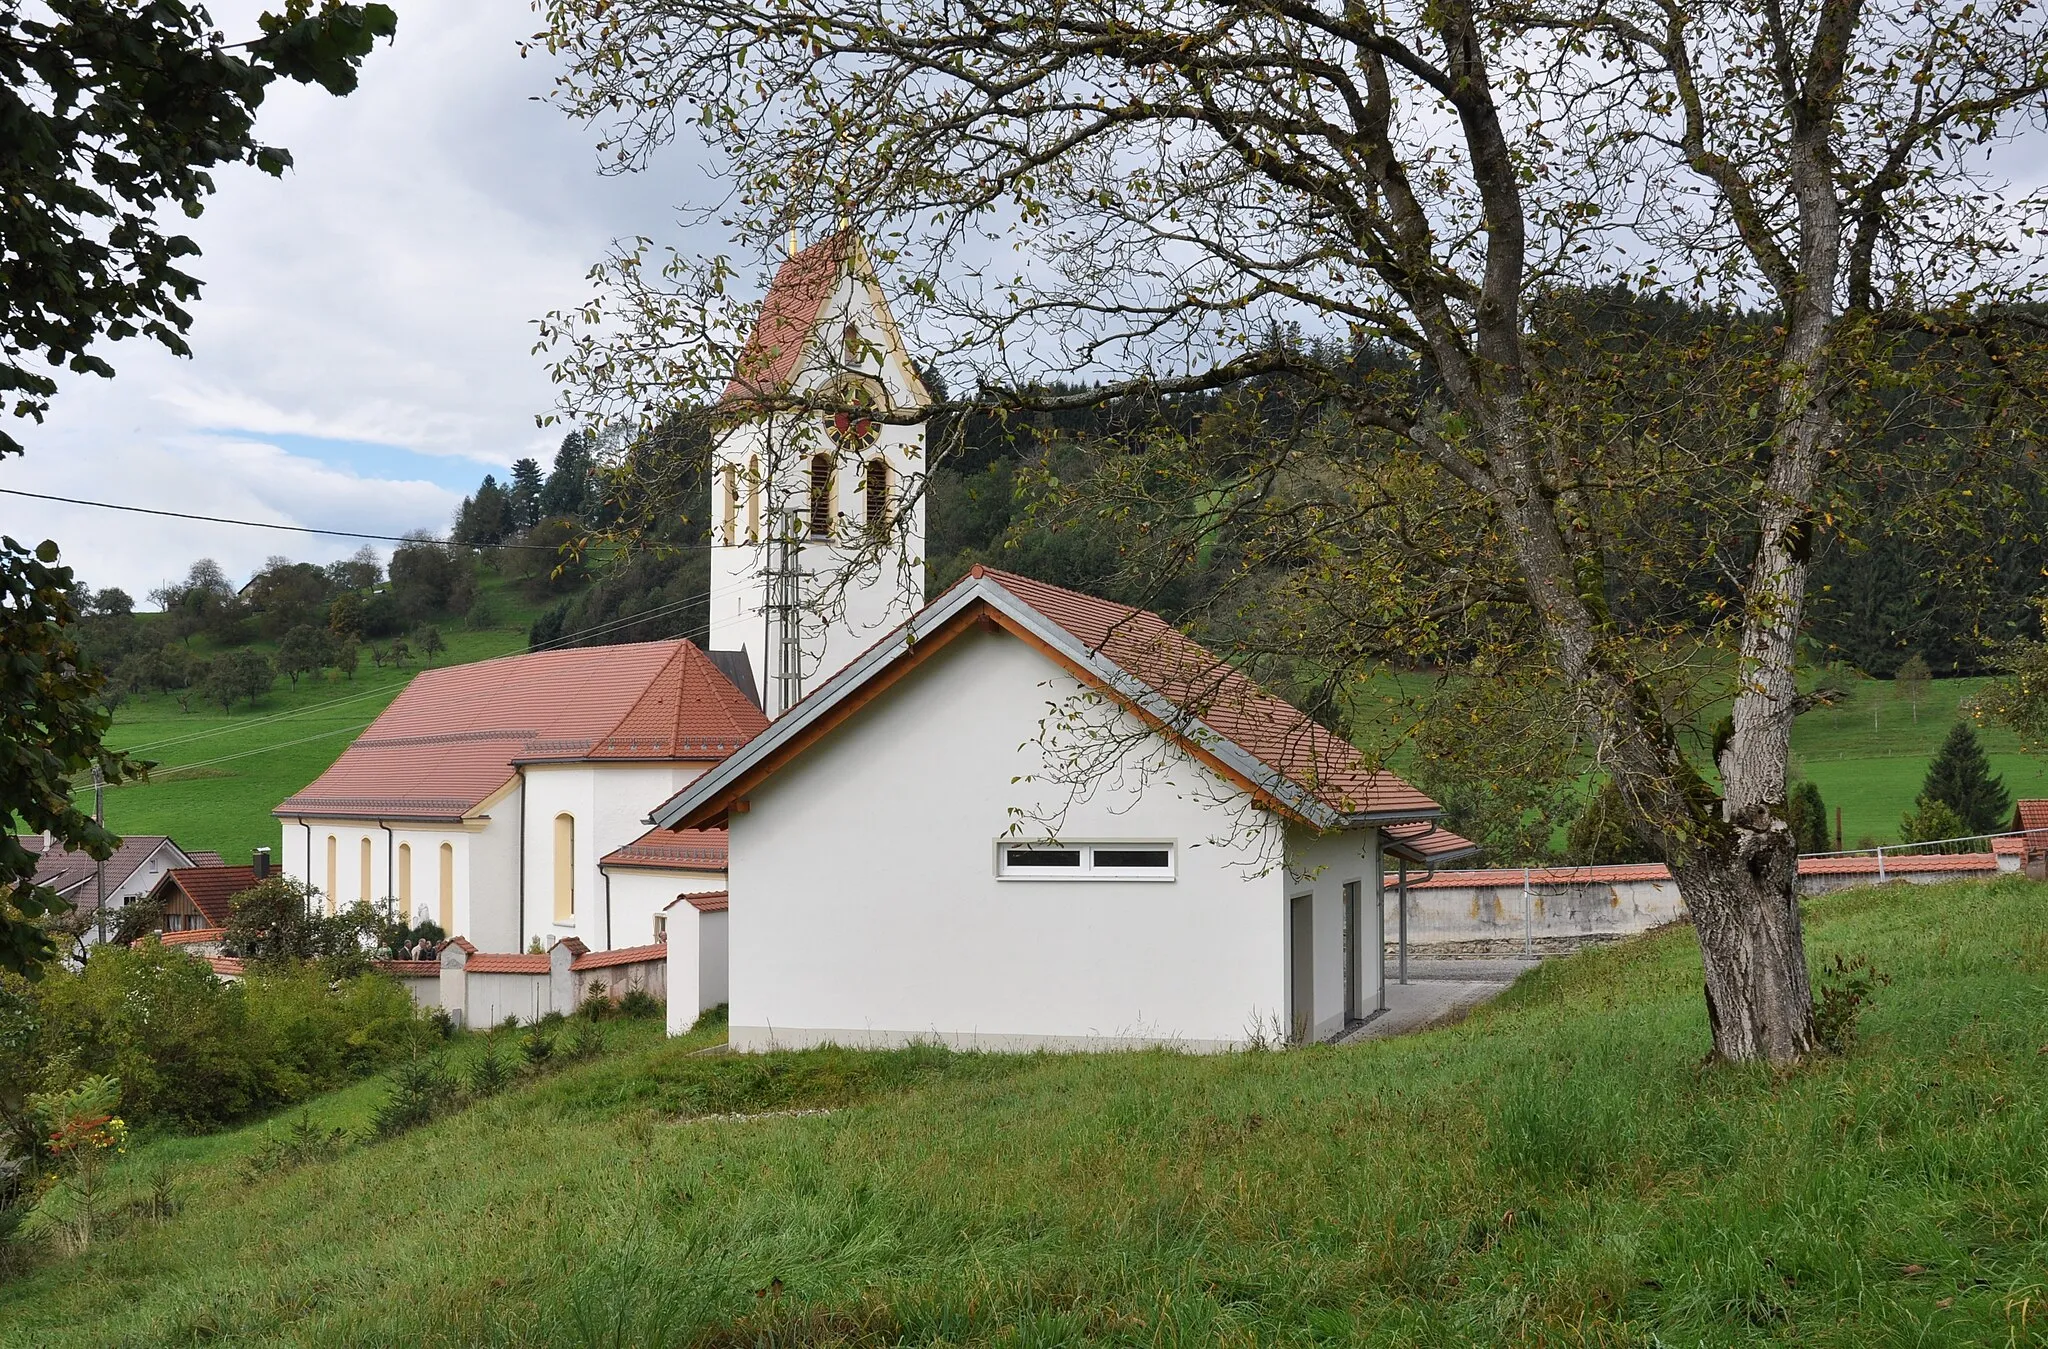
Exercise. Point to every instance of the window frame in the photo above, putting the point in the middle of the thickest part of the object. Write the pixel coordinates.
(1088, 870)
(818, 515)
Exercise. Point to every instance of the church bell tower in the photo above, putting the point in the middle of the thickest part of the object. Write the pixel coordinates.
(817, 511)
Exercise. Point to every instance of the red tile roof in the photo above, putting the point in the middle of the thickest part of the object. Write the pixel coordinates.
(412, 968)
(455, 735)
(1895, 866)
(211, 889)
(1637, 872)
(789, 316)
(491, 962)
(714, 902)
(226, 967)
(1425, 840)
(192, 936)
(2032, 816)
(672, 850)
(624, 955)
(2006, 845)
(1205, 686)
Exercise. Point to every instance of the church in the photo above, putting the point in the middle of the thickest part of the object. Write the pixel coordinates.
(507, 800)
(1016, 817)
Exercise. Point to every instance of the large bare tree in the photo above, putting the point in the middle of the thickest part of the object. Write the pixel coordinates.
(1137, 191)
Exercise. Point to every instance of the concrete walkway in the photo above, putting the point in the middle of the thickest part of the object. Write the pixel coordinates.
(1437, 993)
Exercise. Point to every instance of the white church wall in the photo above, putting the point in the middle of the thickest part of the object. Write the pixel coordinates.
(610, 803)
(485, 858)
(868, 909)
(638, 895)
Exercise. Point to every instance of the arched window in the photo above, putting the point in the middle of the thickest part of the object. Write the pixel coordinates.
(448, 888)
(565, 868)
(851, 343)
(821, 496)
(753, 498)
(876, 486)
(332, 846)
(364, 888)
(731, 524)
(405, 880)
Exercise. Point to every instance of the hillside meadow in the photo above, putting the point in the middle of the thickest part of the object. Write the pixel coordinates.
(220, 773)
(1562, 1168)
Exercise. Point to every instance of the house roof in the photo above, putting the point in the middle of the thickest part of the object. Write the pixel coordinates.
(491, 962)
(211, 889)
(456, 735)
(1266, 745)
(2032, 815)
(1426, 842)
(671, 850)
(622, 955)
(717, 901)
(789, 315)
(64, 870)
(196, 936)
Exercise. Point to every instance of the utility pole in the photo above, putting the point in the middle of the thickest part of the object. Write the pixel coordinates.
(99, 868)
(785, 604)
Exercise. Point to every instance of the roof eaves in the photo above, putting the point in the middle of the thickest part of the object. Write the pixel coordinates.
(1284, 791)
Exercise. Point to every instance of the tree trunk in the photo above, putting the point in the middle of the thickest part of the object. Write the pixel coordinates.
(1746, 912)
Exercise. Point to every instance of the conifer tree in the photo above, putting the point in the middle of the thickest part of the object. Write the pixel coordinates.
(1807, 815)
(1961, 779)
(526, 485)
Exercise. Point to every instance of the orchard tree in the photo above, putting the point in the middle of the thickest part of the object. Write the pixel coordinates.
(1491, 450)
(116, 114)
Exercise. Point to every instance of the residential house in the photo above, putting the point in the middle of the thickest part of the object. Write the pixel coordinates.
(1034, 818)
(131, 872)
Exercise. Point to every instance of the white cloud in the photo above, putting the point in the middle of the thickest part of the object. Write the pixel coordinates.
(362, 351)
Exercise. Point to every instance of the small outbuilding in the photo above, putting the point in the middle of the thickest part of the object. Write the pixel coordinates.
(1031, 818)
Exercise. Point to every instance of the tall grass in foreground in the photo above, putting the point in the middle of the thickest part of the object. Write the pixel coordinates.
(1563, 1168)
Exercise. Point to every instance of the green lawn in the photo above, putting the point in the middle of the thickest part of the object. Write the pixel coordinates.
(1560, 1169)
(220, 773)
(1869, 754)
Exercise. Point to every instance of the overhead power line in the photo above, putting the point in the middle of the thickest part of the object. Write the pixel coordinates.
(307, 529)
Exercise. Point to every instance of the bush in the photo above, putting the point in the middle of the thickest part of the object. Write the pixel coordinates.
(194, 1052)
(640, 1005)
(1840, 996)
(537, 1045)
(301, 1142)
(597, 1003)
(421, 1088)
(491, 1072)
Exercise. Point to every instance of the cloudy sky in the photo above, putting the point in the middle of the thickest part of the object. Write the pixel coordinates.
(362, 348)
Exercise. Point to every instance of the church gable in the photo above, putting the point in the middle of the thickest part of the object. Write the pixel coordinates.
(824, 319)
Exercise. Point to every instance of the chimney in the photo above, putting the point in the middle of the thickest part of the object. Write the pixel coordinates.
(259, 861)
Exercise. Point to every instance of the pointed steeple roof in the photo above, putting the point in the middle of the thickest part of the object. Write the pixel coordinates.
(789, 318)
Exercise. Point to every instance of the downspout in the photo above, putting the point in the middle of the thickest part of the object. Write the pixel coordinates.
(609, 944)
(390, 852)
(519, 937)
(309, 862)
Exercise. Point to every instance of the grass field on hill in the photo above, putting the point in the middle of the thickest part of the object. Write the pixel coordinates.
(1869, 755)
(220, 773)
(1560, 1169)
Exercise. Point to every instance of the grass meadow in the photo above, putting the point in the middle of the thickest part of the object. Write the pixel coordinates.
(220, 773)
(1562, 1168)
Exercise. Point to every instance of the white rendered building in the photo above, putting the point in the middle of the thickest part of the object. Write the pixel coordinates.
(486, 796)
(1033, 818)
(817, 511)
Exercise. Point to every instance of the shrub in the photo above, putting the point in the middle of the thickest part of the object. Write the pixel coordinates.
(1840, 996)
(537, 1045)
(597, 1003)
(192, 1051)
(491, 1071)
(420, 1089)
(640, 1005)
(301, 1142)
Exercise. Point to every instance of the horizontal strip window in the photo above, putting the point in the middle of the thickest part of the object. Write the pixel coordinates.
(1122, 861)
